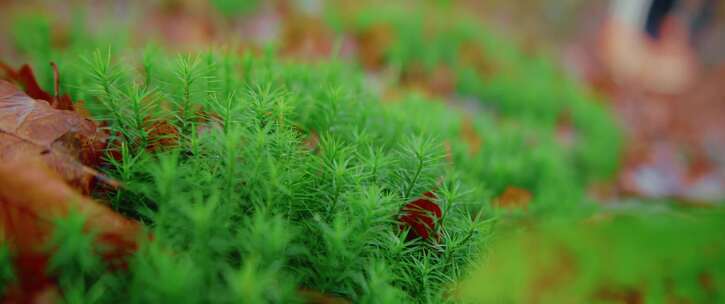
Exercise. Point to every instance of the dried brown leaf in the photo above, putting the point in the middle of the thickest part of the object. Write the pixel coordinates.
(513, 197)
(32, 196)
(25, 77)
(68, 143)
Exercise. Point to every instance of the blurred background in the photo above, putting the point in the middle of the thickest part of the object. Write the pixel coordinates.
(658, 65)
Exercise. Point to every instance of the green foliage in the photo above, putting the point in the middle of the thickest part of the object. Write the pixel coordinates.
(76, 262)
(524, 88)
(658, 257)
(241, 208)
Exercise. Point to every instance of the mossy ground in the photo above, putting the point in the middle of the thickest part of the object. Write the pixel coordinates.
(274, 175)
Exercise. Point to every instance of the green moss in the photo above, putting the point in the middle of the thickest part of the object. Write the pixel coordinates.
(242, 208)
(526, 88)
(286, 176)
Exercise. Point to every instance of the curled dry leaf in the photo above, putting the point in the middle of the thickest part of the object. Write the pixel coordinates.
(513, 197)
(26, 78)
(32, 196)
(67, 142)
(421, 216)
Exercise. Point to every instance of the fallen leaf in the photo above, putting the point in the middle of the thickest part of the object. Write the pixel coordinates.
(476, 57)
(372, 43)
(306, 37)
(513, 197)
(32, 196)
(162, 134)
(312, 141)
(34, 284)
(59, 102)
(470, 136)
(316, 297)
(26, 78)
(68, 143)
(420, 215)
(439, 81)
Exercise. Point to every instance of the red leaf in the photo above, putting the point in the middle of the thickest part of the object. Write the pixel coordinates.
(26, 78)
(420, 215)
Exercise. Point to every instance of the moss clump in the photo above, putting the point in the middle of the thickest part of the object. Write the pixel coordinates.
(263, 179)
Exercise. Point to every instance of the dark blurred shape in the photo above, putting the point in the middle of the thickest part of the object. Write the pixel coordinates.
(656, 16)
